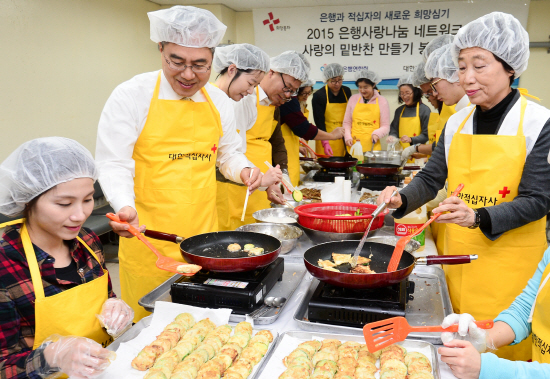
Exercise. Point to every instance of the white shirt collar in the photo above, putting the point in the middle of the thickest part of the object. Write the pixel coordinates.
(462, 103)
(263, 98)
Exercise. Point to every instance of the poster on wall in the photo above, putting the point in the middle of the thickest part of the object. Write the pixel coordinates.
(386, 38)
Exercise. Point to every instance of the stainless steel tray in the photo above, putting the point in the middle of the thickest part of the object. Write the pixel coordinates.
(292, 276)
(308, 336)
(430, 306)
(133, 332)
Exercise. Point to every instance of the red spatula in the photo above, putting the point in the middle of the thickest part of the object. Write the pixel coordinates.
(403, 241)
(383, 333)
(164, 263)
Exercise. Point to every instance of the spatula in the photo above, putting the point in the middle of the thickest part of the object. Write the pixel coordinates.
(383, 333)
(164, 263)
(400, 246)
(246, 198)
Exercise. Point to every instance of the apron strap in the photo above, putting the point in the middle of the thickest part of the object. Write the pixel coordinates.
(214, 110)
(346, 96)
(326, 90)
(525, 92)
(257, 97)
(530, 319)
(13, 222)
(157, 87)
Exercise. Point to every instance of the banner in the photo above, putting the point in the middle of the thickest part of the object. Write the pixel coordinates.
(386, 38)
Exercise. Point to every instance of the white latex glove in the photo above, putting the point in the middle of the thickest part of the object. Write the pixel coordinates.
(467, 331)
(78, 357)
(408, 152)
(286, 178)
(116, 316)
(390, 140)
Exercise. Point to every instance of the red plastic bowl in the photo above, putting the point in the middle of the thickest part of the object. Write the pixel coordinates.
(322, 217)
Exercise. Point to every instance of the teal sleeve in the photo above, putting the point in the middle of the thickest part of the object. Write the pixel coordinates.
(493, 367)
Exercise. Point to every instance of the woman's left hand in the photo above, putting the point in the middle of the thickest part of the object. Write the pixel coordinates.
(115, 316)
(460, 213)
(462, 358)
(375, 138)
(406, 139)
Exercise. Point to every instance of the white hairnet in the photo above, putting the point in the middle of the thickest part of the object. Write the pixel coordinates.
(418, 76)
(501, 34)
(440, 65)
(244, 56)
(369, 75)
(291, 63)
(38, 165)
(186, 26)
(435, 44)
(332, 70)
(405, 79)
(308, 83)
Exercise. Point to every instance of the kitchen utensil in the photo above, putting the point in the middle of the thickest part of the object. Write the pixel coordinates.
(383, 333)
(296, 194)
(318, 237)
(394, 261)
(383, 156)
(273, 303)
(377, 169)
(380, 254)
(287, 234)
(286, 203)
(323, 217)
(268, 303)
(376, 212)
(246, 198)
(164, 263)
(209, 250)
(346, 152)
(369, 153)
(337, 162)
(313, 151)
(276, 215)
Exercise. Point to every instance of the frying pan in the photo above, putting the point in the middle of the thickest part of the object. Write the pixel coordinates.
(339, 162)
(210, 249)
(377, 168)
(380, 255)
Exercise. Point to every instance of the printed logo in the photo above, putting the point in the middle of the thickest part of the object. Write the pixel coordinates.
(270, 21)
(401, 229)
(505, 191)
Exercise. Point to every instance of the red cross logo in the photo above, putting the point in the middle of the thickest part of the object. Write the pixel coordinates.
(374, 122)
(505, 191)
(214, 148)
(414, 135)
(271, 21)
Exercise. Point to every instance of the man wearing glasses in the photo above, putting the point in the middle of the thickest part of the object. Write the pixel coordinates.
(161, 135)
(259, 114)
(329, 108)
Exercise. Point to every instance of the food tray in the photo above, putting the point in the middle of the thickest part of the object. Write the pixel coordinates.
(273, 367)
(430, 306)
(292, 276)
(137, 328)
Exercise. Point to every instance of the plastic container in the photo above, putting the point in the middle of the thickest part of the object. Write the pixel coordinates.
(410, 223)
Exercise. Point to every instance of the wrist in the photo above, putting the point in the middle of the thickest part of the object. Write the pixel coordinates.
(476, 219)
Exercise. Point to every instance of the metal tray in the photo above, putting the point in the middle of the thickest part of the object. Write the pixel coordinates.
(133, 332)
(430, 306)
(308, 336)
(292, 276)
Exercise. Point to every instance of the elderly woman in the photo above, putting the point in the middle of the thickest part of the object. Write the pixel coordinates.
(410, 121)
(52, 276)
(295, 125)
(498, 149)
(329, 107)
(368, 113)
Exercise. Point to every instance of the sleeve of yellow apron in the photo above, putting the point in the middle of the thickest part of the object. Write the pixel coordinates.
(494, 367)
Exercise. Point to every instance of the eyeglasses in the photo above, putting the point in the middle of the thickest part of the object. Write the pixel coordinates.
(182, 67)
(434, 83)
(287, 89)
(336, 81)
(427, 95)
(405, 94)
(306, 93)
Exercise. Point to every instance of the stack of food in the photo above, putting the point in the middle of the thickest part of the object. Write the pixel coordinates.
(185, 350)
(351, 360)
(312, 194)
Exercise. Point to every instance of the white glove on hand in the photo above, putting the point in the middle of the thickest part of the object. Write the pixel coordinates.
(441, 195)
(390, 140)
(116, 316)
(408, 152)
(78, 357)
(467, 331)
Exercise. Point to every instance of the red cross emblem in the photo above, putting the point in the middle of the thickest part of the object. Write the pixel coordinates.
(271, 21)
(414, 135)
(214, 148)
(505, 191)
(374, 122)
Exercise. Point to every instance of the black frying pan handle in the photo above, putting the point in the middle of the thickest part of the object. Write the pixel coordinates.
(163, 236)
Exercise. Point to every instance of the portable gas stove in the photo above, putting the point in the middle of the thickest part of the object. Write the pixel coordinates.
(243, 291)
(378, 182)
(328, 174)
(351, 307)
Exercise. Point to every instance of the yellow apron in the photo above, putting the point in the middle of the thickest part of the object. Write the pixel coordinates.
(292, 144)
(433, 127)
(68, 313)
(258, 150)
(365, 120)
(334, 117)
(539, 326)
(446, 113)
(175, 187)
(409, 126)
(491, 166)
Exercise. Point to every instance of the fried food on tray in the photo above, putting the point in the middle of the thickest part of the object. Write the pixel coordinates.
(417, 362)
(248, 247)
(394, 365)
(325, 263)
(360, 269)
(188, 269)
(392, 375)
(421, 375)
(341, 258)
(311, 194)
(366, 196)
(234, 247)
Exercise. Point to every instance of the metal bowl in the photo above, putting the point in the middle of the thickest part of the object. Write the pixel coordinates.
(275, 215)
(291, 202)
(318, 237)
(287, 234)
